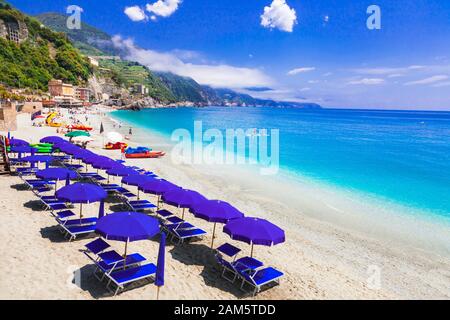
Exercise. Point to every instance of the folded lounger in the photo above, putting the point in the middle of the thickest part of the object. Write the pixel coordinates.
(260, 278)
(127, 276)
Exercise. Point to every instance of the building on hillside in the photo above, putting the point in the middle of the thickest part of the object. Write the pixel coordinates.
(57, 88)
(14, 30)
(140, 89)
(83, 94)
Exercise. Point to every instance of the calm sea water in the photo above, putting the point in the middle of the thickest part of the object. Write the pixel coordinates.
(400, 156)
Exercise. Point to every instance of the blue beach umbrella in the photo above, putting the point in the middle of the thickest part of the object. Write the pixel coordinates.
(182, 198)
(158, 187)
(215, 211)
(52, 139)
(56, 174)
(82, 193)
(127, 227)
(119, 170)
(18, 142)
(136, 180)
(159, 278)
(254, 231)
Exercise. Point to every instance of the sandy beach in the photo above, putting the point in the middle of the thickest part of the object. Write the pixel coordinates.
(324, 256)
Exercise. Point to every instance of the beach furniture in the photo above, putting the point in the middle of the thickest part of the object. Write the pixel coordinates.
(127, 227)
(230, 251)
(72, 232)
(164, 213)
(128, 276)
(183, 235)
(254, 231)
(97, 246)
(215, 211)
(63, 215)
(77, 222)
(142, 206)
(260, 278)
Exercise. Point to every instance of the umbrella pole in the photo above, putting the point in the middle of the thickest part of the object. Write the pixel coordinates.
(251, 253)
(125, 254)
(138, 194)
(159, 200)
(108, 178)
(81, 211)
(157, 293)
(182, 217)
(214, 232)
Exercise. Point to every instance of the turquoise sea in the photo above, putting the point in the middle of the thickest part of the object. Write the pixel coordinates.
(398, 156)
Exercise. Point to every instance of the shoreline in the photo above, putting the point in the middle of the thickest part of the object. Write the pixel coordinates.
(320, 259)
(352, 210)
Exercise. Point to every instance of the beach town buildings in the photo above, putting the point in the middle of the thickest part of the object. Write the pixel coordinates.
(66, 93)
(8, 116)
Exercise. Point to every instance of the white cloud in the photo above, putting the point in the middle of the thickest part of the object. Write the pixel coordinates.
(367, 81)
(300, 70)
(387, 71)
(279, 15)
(441, 84)
(135, 13)
(221, 75)
(313, 81)
(163, 8)
(305, 89)
(429, 80)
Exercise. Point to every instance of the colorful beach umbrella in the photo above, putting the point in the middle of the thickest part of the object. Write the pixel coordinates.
(136, 180)
(254, 231)
(52, 139)
(215, 211)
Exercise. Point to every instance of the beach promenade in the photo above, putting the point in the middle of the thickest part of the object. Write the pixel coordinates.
(320, 260)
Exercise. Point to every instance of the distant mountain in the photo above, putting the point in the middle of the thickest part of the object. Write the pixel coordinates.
(164, 86)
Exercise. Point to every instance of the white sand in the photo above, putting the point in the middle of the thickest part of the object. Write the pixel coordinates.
(330, 252)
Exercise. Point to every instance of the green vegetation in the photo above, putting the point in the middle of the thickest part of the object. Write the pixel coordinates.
(127, 74)
(89, 40)
(44, 55)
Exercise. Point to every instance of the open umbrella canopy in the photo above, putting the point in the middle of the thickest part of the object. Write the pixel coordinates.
(137, 180)
(81, 139)
(18, 142)
(95, 158)
(114, 137)
(74, 134)
(121, 171)
(52, 139)
(56, 174)
(127, 226)
(215, 211)
(81, 193)
(158, 187)
(105, 164)
(83, 154)
(254, 231)
(182, 198)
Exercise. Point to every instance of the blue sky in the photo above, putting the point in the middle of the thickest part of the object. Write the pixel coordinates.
(303, 50)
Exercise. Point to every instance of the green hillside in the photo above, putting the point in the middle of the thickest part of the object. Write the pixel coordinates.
(44, 55)
(89, 40)
(127, 74)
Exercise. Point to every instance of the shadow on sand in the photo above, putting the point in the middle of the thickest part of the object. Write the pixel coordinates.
(202, 255)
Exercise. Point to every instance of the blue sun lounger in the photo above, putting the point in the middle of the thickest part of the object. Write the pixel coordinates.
(186, 234)
(72, 232)
(127, 276)
(96, 247)
(260, 278)
(231, 252)
(77, 222)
